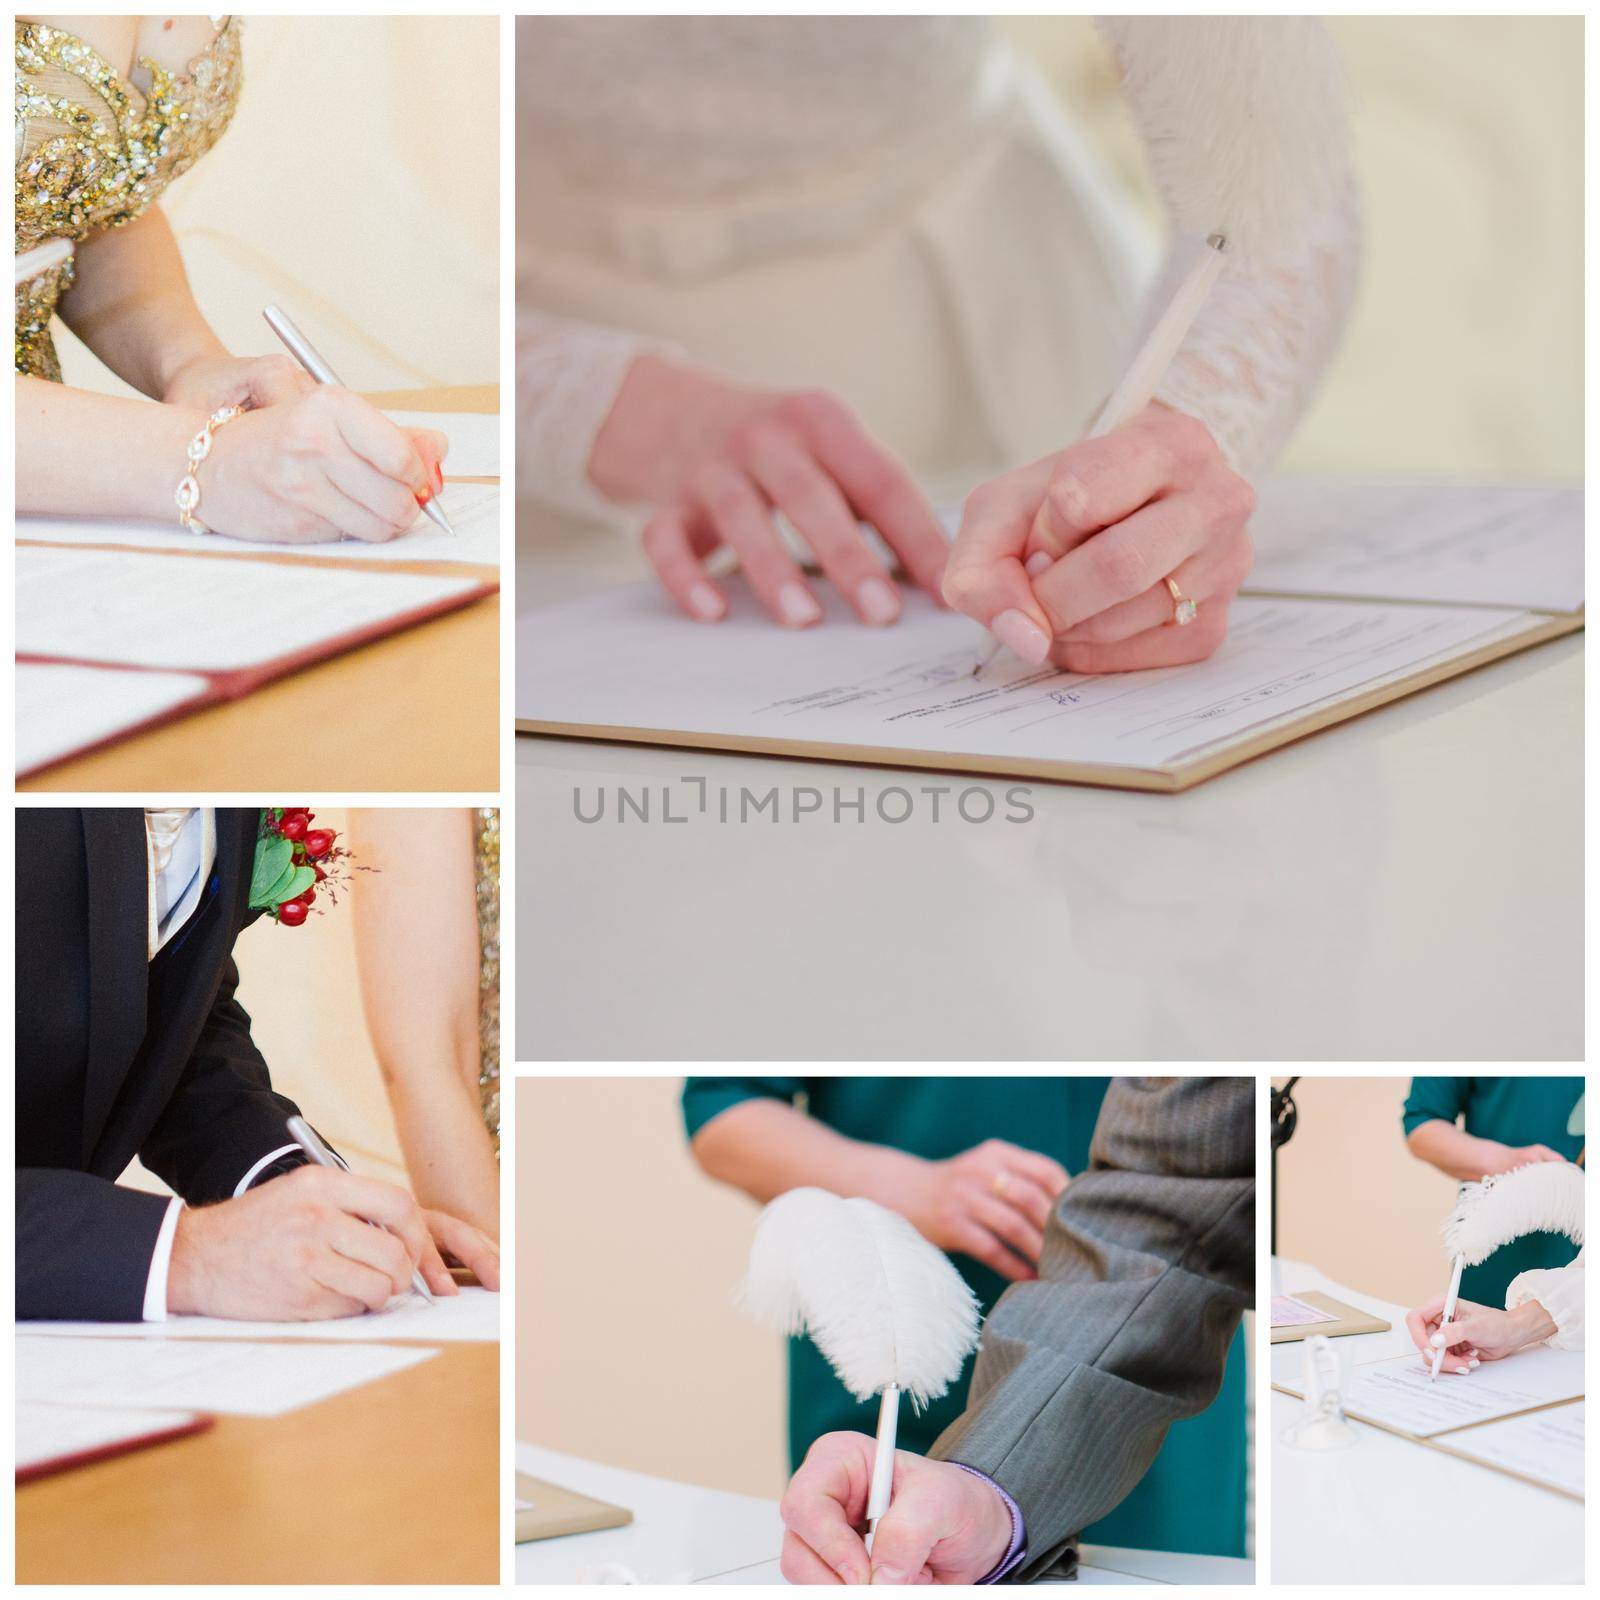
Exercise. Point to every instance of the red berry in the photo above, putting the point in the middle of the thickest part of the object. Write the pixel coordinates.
(318, 843)
(319, 872)
(293, 912)
(310, 895)
(293, 827)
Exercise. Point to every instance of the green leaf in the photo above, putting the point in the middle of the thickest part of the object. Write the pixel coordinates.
(273, 859)
(294, 882)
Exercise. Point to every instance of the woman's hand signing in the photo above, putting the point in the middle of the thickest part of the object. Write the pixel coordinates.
(210, 382)
(720, 461)
(991, 1203)
(1066, 559)
(1475, 1333)
(320, 467)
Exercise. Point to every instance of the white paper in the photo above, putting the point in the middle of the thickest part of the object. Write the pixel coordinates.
(471, 1315)
(474, 439)
(199, 616)
(49, 1432)
(626, 658)
(1398, 1393)
(473, 510)
(1546, 1446)
(1288, 1312)
(232, 1376)
(62, 709)
(1494, 544)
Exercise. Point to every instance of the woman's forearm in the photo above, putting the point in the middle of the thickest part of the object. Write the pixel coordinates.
(415, 918)
(98, 455)
(765, 1148)
(1454, 1151)
(131, 304)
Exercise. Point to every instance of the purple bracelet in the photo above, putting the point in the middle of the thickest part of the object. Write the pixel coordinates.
(1017, 1551)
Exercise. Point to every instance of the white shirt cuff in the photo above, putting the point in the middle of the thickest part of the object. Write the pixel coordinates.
(266, 1161)
(155, 1286)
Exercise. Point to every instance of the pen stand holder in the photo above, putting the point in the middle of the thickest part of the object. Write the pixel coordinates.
(1323, 1424)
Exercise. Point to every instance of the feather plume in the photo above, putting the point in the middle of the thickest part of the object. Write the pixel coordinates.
(1543, 1197)
(882, 1304)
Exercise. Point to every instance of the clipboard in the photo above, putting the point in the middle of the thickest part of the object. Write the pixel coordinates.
(553, 1512)
(175, 1425)
(1347, 1319)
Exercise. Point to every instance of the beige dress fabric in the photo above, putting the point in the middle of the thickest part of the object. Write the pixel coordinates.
(891, 208)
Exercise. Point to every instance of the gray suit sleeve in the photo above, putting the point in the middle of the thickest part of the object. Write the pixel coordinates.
(1148, 1264)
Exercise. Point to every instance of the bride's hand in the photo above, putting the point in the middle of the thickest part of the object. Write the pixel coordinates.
(1476, 1333)
(321, 467)
(1068, 558)
(718, 461)
(210, 382)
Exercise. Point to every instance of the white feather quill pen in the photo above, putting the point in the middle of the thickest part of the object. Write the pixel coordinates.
(885, 1307)
(1543, 1197)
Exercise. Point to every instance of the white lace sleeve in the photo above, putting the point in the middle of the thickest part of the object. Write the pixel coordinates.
(1560, 1291)
(568, 374)
(1245, 126)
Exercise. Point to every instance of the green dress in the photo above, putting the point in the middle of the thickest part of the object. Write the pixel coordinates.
(1514, 1111)
(1193, 1497)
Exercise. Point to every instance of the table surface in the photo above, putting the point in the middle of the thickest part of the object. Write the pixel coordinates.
(1406, 886)
(416, 711)
(1389, 1510)
(396, 1481)
(684, 1534)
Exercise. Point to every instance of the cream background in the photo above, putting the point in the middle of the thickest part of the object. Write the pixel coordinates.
(1353, 1200)
(359, 187)
(300, 987)
(1465, 354)
(628, 1347)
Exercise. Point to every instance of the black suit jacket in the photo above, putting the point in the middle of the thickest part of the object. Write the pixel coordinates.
(119, 1056)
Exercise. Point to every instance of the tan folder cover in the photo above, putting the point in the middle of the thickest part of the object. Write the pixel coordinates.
(554, 1512)
(1349, 1320)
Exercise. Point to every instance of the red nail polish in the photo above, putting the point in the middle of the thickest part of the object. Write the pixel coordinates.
(424, 495)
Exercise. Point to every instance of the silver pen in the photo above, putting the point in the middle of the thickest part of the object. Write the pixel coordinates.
(317, 1152)
(302, 349)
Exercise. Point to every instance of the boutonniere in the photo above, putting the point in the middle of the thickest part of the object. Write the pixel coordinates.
(294, 863)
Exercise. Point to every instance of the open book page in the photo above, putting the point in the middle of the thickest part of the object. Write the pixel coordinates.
(200, 615)
(244, 1379)
(62, 709)
(1546, 1446)
(474, 439)
(626, 659)
(473, 510)
(1494, 544)
(471, 1315)
(1399, 1394)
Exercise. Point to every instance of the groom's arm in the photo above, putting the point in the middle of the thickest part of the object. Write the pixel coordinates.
(222, 1130)
(1148, 1264)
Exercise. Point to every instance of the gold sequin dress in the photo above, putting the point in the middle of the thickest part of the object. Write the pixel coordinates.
(486, 861)
(93, 151)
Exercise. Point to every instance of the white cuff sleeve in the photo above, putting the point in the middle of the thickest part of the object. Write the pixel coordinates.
(1560, 1291)
(155, 1286)
(266, 1161)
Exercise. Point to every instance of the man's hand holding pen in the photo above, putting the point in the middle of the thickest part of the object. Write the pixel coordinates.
(299, 1248)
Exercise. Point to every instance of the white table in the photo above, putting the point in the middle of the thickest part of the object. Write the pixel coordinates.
(1406, 886)
(1389, 1510)
(683, 1534)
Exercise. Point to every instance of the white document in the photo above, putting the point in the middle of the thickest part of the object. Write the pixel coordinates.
(1493, 544)
(49, 1432)
(1398, 1393)
(473, 510)
(625, 658)
(1546, 1446)
(1288, 1312)
(247, 1380)
(474, 439)
(199, 616)
(62, 709)
(473, 1315)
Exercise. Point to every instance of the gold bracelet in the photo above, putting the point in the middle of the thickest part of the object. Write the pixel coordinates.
(187, 493)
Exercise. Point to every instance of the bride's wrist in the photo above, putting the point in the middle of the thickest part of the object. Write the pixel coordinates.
(180, 362)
